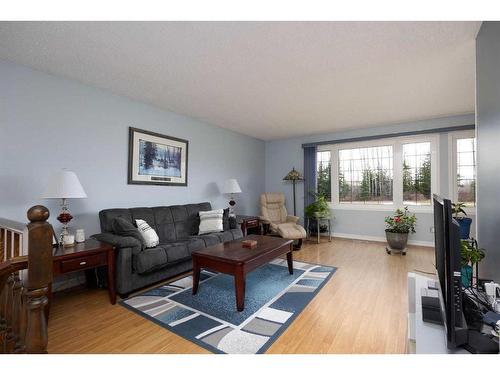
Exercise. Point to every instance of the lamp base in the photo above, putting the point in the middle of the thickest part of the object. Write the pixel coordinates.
(232, 203)
(64, 218)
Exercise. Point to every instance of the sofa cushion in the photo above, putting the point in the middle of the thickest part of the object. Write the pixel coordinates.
(226, 224)
(209, 239)
(236, 232)
(123, 227)
(224, 236)
(146, 214)
(106, 218)
(176, 251)
(215, 238)
(163, 255)
(195, 244)
(186, 218)
(164, 224)
(150, 260)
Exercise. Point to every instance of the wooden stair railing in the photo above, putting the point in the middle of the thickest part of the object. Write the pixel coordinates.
(24, 282)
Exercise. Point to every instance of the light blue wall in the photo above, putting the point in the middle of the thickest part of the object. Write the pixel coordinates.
(48, 123)
(282, 155)
(488, 141)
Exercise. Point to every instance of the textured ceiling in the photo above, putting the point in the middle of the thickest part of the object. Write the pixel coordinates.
(265, 79)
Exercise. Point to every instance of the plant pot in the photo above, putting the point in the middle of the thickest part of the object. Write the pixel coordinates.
(396, 241)
(464, 223)
(466, 272)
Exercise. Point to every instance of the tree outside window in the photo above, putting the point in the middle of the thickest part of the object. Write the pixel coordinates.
(417, 173)
(324, 173)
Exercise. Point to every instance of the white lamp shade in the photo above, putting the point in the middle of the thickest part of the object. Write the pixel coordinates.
(231, 186)
(64, 184)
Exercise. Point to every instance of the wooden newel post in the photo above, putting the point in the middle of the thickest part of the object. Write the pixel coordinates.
(40, 236)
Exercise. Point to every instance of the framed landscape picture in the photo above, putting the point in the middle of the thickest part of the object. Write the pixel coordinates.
(156, 159)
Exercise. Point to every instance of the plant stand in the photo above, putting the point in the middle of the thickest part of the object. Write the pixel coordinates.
(318, 224)
(389, 250)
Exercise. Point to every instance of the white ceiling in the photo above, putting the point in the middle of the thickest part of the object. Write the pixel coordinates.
(266, 79)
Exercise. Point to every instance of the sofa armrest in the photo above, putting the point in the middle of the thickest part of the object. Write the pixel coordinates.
(119, 242)
(292, 219)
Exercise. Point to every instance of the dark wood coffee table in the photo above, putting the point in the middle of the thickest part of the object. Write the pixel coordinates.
(234, 259)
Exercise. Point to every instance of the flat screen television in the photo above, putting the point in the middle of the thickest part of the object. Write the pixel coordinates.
(448, 267)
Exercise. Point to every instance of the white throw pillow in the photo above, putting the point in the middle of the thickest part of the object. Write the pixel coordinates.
(211, 221)
(149, 234)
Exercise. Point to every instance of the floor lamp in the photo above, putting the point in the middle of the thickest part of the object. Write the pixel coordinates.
(293, 176)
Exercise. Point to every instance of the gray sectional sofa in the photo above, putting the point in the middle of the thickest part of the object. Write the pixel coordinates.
(177, 227)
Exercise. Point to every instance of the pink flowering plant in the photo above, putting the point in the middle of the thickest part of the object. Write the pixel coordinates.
(401, 222)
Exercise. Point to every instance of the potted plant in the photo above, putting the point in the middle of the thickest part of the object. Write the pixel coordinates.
(397, 229)
(318, 209)
(470, 255)
(464, 222)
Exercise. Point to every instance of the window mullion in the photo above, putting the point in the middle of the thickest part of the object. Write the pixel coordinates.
(335, 175)
(398, 174)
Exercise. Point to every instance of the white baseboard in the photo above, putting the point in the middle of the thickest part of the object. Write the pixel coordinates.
(378, 239)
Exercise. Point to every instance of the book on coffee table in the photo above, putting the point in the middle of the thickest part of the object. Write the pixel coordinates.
(250, 244)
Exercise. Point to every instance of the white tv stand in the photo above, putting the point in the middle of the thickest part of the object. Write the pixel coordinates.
(424, 338)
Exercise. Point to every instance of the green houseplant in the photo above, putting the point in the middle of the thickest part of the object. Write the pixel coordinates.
(398, 227)
(463, 221)
(319, 208)
(470, 255)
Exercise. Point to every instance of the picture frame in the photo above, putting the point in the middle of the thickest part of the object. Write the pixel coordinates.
(157, 159)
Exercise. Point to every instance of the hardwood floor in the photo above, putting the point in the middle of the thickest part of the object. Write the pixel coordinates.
(362, 309)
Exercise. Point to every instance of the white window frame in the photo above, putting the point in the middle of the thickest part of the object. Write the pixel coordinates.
(452, 164)
(397, 154)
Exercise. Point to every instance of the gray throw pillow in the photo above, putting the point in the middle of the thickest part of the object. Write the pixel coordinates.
(122, 227)
(225, 220)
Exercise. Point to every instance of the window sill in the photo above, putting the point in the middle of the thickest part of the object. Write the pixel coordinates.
(470, 211)
(381, 208)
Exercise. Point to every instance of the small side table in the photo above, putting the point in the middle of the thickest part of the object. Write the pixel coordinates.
(318, 221)
(83, 256)
(249, 224)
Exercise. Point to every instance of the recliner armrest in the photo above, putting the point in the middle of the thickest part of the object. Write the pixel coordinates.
(119, 241)
(292, 219)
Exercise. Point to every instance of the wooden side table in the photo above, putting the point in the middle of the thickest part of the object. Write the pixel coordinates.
(249, 224)
(83, 256)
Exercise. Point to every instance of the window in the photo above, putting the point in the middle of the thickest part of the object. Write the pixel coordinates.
(417, 173)
(324, 173)
(365, 175)
(463, 177)
(384, 173)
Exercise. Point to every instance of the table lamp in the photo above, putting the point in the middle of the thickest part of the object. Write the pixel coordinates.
(231, 187)
(63, 185)
(293, 176)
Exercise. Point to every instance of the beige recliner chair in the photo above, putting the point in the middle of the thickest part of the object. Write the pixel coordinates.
(273, 213)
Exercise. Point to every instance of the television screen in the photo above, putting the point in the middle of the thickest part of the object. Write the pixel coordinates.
(447, 253)
(439, 244)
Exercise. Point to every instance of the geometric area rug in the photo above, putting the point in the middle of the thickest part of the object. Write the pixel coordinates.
(273, 299)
